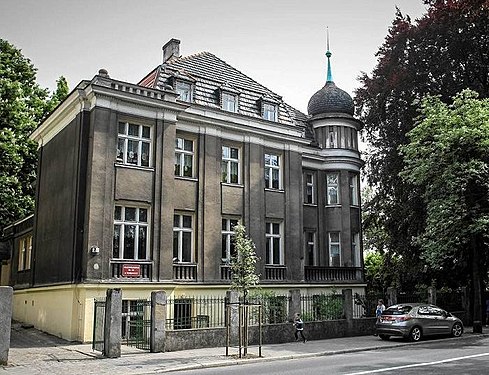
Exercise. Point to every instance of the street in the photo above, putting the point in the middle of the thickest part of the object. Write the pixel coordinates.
(437, 356)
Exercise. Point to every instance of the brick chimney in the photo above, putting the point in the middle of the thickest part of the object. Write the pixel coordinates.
(170, 49)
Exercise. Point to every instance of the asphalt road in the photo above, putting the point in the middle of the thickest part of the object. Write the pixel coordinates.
(440, 356)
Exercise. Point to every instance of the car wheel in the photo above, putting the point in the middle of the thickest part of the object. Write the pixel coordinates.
(415, 334)
(457, 330)
(384, 337)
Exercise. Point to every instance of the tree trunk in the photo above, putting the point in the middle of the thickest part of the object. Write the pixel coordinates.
(476, 286)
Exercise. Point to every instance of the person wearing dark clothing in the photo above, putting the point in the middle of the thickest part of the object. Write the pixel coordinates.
(299, 328)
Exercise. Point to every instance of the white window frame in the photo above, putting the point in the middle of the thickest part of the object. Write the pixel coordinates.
(270, 168)
(332, 137)
(269, 111)
(354, 196)
(143, 143)
(332, 187)
(123, 223)
(310, 184)
(355, 248)
(227, 236)
(184, 90)
(227, 163)
(311, 248)
(334, 245)
(25, 253)
(181, 153)
(180, 230)
(229, 101)
(270, 238)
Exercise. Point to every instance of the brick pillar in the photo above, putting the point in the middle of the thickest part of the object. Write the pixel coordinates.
(6, 293)
(391, 296)
(113, 323)
(432, 295)
(295, 305)
(158, 320)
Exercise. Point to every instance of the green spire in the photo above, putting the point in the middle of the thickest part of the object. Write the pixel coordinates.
(329, 77)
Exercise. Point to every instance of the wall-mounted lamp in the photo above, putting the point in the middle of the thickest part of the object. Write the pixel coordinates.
(94, 250)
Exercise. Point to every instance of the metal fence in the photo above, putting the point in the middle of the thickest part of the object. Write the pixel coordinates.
(196, 312)
(275, 309)
(364, 306)
(320, 307)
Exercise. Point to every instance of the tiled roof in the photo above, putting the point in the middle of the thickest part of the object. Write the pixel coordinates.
(209, 74)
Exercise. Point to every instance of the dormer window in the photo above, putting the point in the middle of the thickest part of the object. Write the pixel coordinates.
(269, 111)
(184, 90)
(229, 102)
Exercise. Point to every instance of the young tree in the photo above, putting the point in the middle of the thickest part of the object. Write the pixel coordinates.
(243, 263)
(23, 104)
(442, 53)
(448, 158)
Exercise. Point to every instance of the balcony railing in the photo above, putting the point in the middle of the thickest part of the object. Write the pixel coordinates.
(275, 273)
(333, 274)
(225, 272)
(185, 271)
(131, 269)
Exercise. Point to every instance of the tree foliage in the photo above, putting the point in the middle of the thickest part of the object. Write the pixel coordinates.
(243, 263)
(448, 158)
(443, 52)
(23, 104)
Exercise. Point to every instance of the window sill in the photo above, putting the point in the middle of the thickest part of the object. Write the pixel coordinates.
(131, 166)
(186, 178)
(332, 206)
(310, 204)
(275, 190)
(232, 184)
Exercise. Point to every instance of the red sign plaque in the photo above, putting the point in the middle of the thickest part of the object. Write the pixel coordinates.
(131, 270)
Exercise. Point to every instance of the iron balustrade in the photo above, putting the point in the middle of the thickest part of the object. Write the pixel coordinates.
(275, 273)
(144, 266)
(185, 271)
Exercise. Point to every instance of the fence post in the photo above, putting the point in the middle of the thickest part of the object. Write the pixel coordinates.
(158, 321)
(233, 300)
(6, 293)
(295, 305)
(432, 295)
(391, 296)
(113, 323)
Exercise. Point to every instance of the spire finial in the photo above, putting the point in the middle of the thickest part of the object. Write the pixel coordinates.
(329, 77)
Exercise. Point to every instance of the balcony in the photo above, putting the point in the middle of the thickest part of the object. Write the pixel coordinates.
(185, 271)
(275, 273)
(131, 269)
(225, 272)
(333, 274)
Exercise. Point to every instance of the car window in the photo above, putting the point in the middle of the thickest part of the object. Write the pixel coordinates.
(423, 310)
(397, 310)
(435, 311)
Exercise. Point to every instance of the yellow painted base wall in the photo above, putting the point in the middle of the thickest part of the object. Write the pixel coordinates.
(67, 311)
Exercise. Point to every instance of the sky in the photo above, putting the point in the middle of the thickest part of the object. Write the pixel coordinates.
(279, 43)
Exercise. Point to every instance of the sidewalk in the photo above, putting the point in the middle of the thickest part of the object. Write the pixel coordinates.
(33, 352)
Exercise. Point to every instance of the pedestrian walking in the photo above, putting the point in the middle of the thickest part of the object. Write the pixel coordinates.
(299, 327)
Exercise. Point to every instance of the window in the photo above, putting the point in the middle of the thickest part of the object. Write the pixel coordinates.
(230, 165)
(273, 244)
(184, 157)
(182, 238)
(134, 144)
(269, 111)
(25, 251)
(229, 102)
(332, 137)
(130, 233)
(228, 248)
(354, 190)
(332, 188)
(355, 248)
(272, 171)
(334, 249)
(309, 188)
(310, 238)
(184, 90)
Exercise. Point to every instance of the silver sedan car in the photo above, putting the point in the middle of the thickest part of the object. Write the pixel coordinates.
(415, 320)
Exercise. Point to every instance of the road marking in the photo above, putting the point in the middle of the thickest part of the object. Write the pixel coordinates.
(420, 364)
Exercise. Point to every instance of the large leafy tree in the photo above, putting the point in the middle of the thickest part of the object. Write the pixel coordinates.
(23, 104)
(442, 53)
(448, 158)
